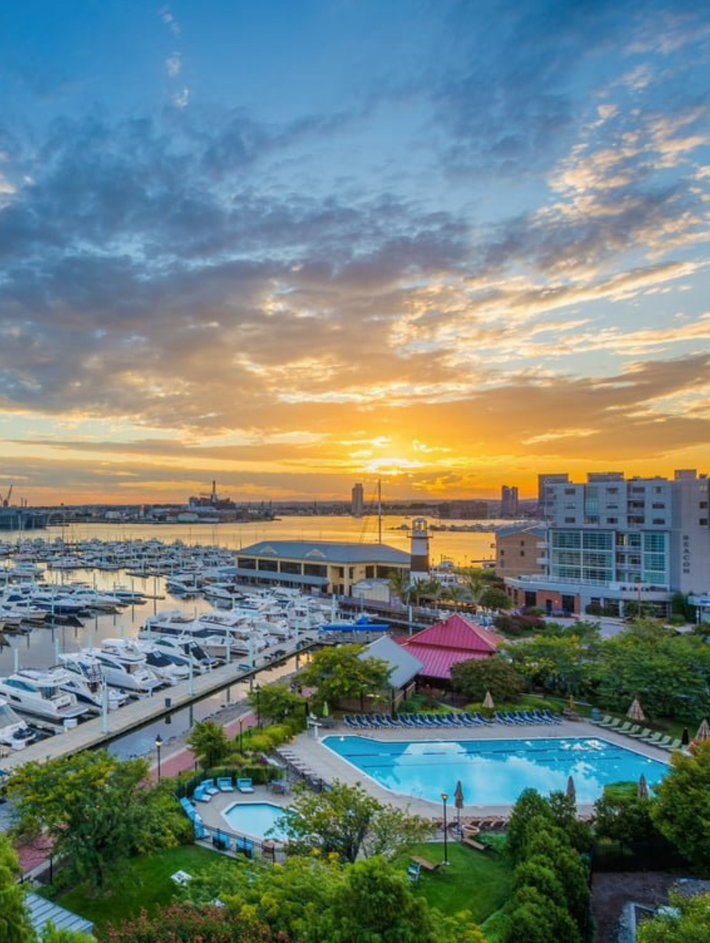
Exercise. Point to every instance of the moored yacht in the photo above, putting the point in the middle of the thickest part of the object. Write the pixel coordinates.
(85, 679)
(14, 732)
(40, 694)
(126, 669)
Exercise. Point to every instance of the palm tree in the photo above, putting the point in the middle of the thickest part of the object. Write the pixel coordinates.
(426, 589)
(476, 583)
(455, 593)
(400, 585)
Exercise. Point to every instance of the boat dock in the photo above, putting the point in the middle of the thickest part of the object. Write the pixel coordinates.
(100, 731)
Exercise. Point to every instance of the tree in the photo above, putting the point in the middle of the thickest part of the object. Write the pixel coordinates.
(345, 820)
(185, 923)
(276, 702)
(52, 934)
(554, 664)
(96, 809)
(209, 742)
(494, 598)
(400, 585)
(686, 921)
(425, 589)
(625, 819)
(681, 810)
(534, 918)
(15, 926)
(476, 676)
(529, 805)
(338, 674)
(376, 904)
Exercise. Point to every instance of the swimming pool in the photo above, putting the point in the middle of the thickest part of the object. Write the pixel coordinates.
(495, 772)
(254, 818)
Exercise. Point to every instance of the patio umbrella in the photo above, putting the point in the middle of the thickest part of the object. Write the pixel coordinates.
(458, 802)
(642, 791)
(325, 709)
(488, 701)
(635, 713)
(703, 732)
(571, 791)
(685, 737)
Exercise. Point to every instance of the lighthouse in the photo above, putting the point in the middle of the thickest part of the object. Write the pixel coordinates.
(419, 550)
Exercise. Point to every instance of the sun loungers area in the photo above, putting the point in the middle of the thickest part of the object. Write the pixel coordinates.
(520, 718)
(637, 732)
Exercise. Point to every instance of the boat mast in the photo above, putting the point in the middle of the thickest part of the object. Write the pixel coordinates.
(379, 510)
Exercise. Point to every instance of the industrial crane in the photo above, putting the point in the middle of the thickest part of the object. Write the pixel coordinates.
(6, 501)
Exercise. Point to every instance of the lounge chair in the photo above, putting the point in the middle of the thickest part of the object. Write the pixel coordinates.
(641, 734)
(201, 794)
(502, 719)
(457, 721)
(200, 831)
(405, 720)
(653, 739)
(634, 731)
(550, 716)
(413, 871)
(221, 840)
(349, 722)
(614, 725)
(604, 722)
(673, 745)
(664, 742)
(486, 721)
(245, 845)
(245, 785)
(209, 786)
(627, 726)
(224, 784)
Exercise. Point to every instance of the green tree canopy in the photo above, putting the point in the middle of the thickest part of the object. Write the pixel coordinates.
(624, 819)
(338, 674)
(184, 923)
(97, 810)
(687, 921)
(476, 676)
(554, 664)
(209, 742)
(346, 821)
(494, 598)
(276, 702)
(681, 810)
(15, 926)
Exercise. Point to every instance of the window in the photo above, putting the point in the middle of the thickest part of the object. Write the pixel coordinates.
(703, 522)
(569, 520)
(658, 505)
(612, 520)
(522, 553)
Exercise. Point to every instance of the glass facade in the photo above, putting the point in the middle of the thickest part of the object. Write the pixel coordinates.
(606, 556)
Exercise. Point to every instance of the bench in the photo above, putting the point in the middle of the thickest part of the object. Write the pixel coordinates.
(472, 843)
(426, 864)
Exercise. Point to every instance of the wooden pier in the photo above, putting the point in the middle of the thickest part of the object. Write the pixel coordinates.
(100, 731)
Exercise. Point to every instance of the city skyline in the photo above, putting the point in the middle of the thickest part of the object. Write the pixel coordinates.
(297, 246)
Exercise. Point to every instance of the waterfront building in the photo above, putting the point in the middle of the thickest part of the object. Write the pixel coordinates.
(509, 499)
(612, 541)
(545, 491)
(517, 550)
(324, 566)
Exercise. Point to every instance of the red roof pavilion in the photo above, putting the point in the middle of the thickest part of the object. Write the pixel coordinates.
(446, 643)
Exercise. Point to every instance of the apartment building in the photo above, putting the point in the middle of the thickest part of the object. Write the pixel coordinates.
(613, 540)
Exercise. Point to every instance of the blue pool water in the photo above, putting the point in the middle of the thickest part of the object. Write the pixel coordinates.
(254, 818)
(495, 772)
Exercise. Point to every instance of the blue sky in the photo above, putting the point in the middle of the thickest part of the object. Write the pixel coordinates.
(294, 245)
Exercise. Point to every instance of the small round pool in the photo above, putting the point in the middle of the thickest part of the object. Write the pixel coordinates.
(255, 819)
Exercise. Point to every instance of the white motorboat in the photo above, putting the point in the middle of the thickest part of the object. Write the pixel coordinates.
(14, 732)
(185, 651)
(126, 669)
(85, 679)
(39, 693)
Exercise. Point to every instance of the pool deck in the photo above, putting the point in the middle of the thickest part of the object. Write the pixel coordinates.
(211, 812)
(325, 764)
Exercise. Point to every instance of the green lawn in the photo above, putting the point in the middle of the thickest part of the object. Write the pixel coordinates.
(477, 881)
(147, 885)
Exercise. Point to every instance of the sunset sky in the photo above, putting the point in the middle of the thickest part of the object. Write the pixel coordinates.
(295, 244)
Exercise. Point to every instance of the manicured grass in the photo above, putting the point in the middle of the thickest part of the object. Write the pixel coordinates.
(147, 885)
(477, 881)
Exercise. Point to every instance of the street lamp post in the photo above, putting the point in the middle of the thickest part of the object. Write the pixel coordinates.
(158, 745)
(444, 797)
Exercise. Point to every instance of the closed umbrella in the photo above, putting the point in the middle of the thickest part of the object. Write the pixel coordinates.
(703, 732)
(458, 802)
(642, 791)
(571, 791)
(635, 713)
(488, 701)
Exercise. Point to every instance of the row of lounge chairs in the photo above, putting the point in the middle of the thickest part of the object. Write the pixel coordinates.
(643, 734)
(461, 719)
(211, 787)
(194, 816)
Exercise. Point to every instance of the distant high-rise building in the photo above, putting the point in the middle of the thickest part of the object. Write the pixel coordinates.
(357, 503)
(509, 501)
(546, 493)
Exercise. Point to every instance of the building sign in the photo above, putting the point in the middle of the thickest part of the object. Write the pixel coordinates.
(685, 555)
